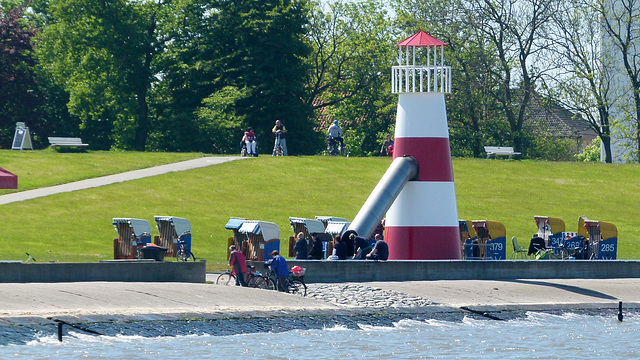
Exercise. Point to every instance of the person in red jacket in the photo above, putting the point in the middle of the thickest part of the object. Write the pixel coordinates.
(249, 139)
(238, 264)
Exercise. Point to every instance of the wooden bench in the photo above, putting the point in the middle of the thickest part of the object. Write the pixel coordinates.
(496, 151)
(66, 141)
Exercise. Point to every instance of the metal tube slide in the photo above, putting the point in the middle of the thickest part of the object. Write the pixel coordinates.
(402, 170)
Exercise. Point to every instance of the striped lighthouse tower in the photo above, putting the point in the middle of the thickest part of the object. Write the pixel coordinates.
(422, 223)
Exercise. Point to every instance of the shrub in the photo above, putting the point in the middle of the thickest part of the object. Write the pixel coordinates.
(552, 149)
(590, 153)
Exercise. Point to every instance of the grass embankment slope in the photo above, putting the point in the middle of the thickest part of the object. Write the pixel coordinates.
(77, 226)
(36, 169)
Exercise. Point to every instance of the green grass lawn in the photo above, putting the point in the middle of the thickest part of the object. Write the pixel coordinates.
(77, 226)
(41, 168)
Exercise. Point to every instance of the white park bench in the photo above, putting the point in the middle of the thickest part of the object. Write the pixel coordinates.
(500, 151)
(66, 141)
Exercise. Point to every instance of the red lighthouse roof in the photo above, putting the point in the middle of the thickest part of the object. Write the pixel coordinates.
(421, 39)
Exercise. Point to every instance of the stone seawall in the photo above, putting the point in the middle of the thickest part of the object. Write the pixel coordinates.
(399, 270)
(116, 270)
(327, 271)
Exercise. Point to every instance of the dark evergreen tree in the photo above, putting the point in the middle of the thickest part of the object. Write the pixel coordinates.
(20, 99)
(102, 54)
(262, 49)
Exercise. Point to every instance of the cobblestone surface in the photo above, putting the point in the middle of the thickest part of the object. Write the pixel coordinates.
(354, 295)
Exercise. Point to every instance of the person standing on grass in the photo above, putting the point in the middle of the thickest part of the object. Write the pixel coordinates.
(387, 147)
(281, 133)
(238, 264)
(335, 132)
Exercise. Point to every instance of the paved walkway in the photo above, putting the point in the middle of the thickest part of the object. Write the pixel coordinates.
(118, 298)
(520, 292)
(112, 179)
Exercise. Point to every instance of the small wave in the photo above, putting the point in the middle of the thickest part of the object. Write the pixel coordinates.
(42, 340)
(409, 323)
(367, 327)
(337, 327)
(474, 322)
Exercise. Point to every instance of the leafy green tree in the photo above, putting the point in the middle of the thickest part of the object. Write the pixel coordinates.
(220, 126)
(585, 86)
(550, 148)
(474, 114)
(621, 23)
(350, 71)
(239, 63)
(262, 50)
(185, 73)
(39, 101)
(103, 52)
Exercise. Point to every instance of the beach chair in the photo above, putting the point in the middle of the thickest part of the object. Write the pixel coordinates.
(536, 244)
(517, 250)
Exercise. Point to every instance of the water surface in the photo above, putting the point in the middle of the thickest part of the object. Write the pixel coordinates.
(535, 336)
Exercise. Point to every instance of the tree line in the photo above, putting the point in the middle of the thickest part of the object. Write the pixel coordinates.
(190, 75)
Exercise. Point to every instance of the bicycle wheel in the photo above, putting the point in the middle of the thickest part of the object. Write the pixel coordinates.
(258, 282)
(251, 281)
(185, 255)
(345, 151)
(226, 278)
(297, 287)
(180, 255)
(190, 255)
(271, 285)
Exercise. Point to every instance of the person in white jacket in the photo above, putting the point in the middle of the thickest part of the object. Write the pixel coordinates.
(336, 132)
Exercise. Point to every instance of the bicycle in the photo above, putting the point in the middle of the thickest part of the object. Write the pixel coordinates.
(334, 149)
(278, 150)
(254, 279)
(183, 254)
(294, 282)
(243, 152)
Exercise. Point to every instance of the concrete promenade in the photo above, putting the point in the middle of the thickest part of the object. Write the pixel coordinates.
(86, 299)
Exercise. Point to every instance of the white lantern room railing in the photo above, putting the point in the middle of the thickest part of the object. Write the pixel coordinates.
(410, 77)
(421, 78)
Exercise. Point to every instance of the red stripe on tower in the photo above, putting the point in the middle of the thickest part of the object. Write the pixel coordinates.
(426, 242)
(433, 156)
